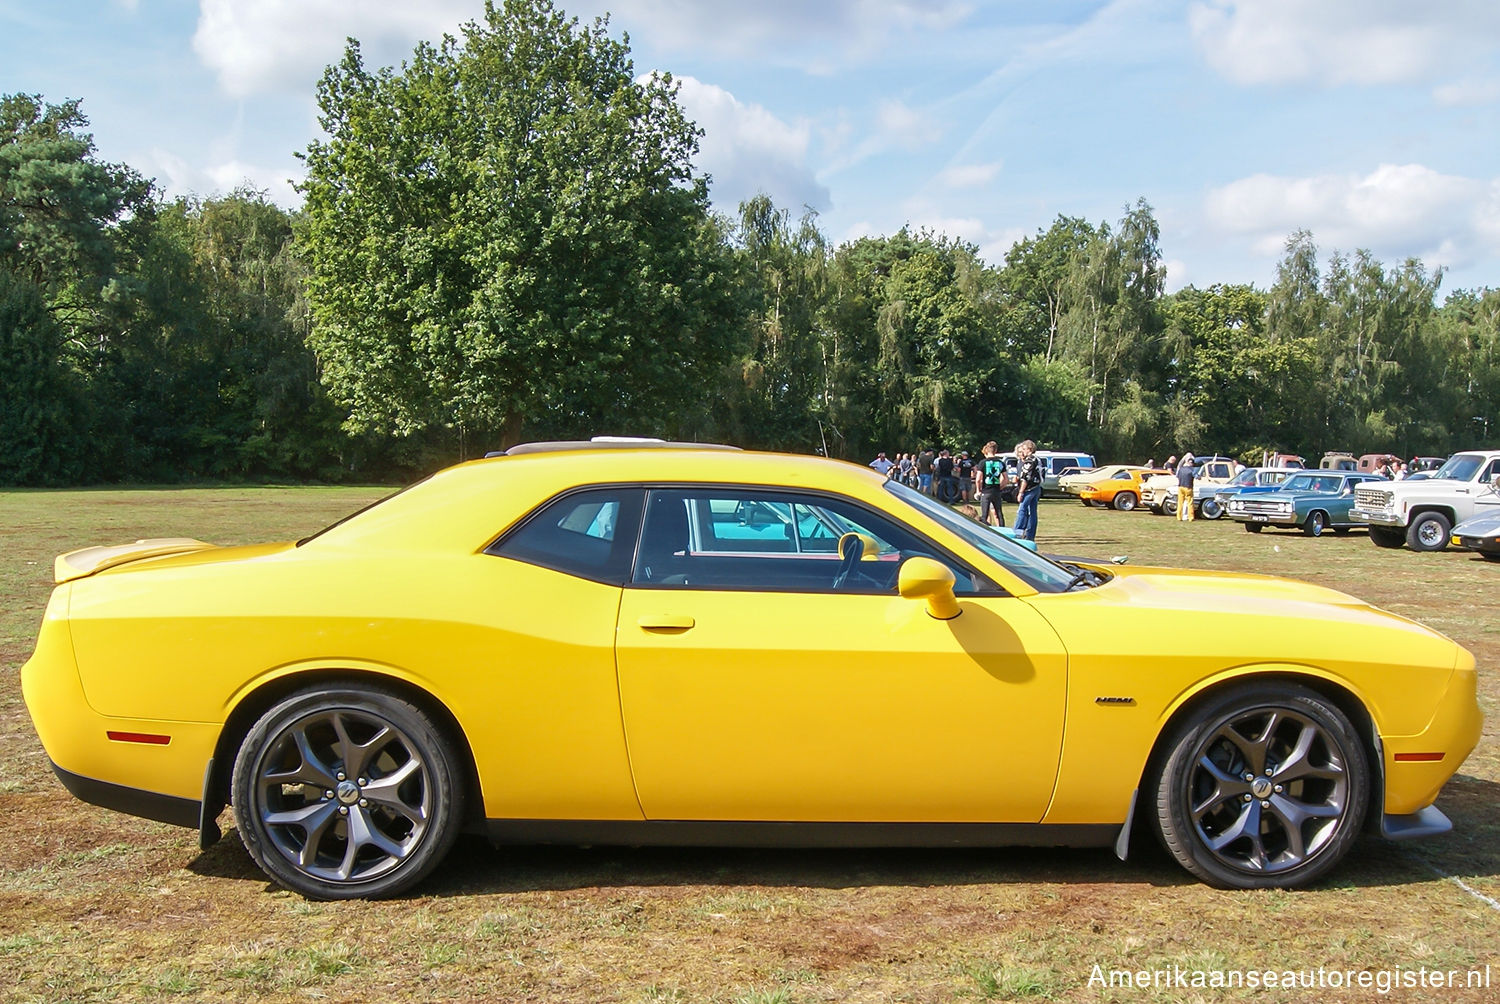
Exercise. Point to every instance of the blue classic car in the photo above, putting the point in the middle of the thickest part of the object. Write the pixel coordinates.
(1312, 500)
(1253, 481)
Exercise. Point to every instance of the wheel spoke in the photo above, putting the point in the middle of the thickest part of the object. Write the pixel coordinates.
(385, 791)
(357, 755)
(1297, 764)
(311, 769)
(1246, 827)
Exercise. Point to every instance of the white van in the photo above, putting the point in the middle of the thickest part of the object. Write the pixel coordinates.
(1055, 463)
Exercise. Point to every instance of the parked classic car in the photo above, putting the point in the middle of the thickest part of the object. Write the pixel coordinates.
(1252, 481)
(1480, 533)
(1121, 490)
(1313, 500)
(1073, 482)
(679, 644)
(1159, 493)
(1421, 513)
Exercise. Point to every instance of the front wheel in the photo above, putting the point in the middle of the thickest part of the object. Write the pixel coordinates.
(1169, 505)
(1317, 522)
(1266, 786)
(1428, 532)
(1210, 509)
(1126, 501)
(347, 792)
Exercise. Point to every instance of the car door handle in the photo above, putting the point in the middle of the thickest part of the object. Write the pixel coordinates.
(665, 622)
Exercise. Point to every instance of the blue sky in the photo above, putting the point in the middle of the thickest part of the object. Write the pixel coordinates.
(1372, 123)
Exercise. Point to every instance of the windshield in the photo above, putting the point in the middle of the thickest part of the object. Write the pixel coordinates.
(1460, 467)
(1041, 573)
(1243, 478)
(1329, 484)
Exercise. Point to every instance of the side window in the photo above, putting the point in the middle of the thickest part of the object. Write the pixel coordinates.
(1491, 472)
(590, 534)
(769, 540)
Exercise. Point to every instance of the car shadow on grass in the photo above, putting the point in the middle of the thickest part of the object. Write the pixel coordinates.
(1471, 851)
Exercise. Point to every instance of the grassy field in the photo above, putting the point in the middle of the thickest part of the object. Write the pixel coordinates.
(99, 906)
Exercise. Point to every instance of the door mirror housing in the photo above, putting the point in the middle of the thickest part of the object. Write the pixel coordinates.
(931, 581)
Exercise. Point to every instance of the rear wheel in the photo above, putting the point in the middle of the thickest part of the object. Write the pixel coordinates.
(1428, 532)
(1385, 537)
(1126, 501)
(1266, 786)
(347, 792)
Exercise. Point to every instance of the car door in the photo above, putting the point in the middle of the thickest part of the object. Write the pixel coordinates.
(1486, 496)
(772, 683)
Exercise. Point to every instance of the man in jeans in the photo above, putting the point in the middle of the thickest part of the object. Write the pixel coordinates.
(1028, 489)
(993, 479)
(1185, 473)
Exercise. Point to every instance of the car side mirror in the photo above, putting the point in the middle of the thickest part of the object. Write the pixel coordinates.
(932, 581)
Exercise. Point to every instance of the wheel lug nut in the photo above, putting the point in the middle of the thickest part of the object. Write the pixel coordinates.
(343, 776)
(1278, 789)
(364, 803)
(327, 794)
(363, 781)
(1247, 798)
(1249, 777)
(1264, 804)
(343, 810)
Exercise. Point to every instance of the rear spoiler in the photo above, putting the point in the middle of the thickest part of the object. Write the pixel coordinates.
(88, 560)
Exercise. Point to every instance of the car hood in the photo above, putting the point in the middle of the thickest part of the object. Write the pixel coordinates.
(1479, 526)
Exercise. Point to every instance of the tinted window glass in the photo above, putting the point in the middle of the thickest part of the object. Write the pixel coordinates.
(730, 538)
(590, 534)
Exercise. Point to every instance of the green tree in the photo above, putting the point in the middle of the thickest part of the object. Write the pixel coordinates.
(38, 429)
(500, 229)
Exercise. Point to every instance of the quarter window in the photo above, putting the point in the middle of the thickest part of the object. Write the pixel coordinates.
(590, 534)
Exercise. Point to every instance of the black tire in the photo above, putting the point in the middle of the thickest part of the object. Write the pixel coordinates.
(1300, 810)
(1317, 522)
(1428, 532)
(1254, 527)
(1210, 509)
(1126, 501)
(1384, 537)
(347, 792)
(1169, 506)
(1490, 555)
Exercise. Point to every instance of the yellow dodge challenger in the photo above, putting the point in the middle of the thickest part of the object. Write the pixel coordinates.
(676, 644)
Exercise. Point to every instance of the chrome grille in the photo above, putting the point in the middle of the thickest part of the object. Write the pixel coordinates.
(1372, 498)
(1263, 507)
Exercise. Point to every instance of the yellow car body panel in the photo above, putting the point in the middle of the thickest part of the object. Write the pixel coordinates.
(897, 717)
(576, 699)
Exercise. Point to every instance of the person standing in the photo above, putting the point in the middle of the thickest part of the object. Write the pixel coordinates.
(1185, 473)
(1028, 489)
(965, 476)
(945, 488)
(993, 480)
(907, 467)
(924, 471)
(881, 464)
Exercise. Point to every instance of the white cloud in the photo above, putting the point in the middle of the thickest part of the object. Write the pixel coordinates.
(176, 177)
(853, 28)
(1395, 211)
(254, 46)
(968, 175)
(1343, 41)
(1469, 91)
(748, 150)
(905, 127)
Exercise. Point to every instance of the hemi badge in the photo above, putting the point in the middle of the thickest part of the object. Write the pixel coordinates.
(1114, 700)
(149, 738)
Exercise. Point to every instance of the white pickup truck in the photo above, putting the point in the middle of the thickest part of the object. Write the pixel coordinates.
(1419, 513)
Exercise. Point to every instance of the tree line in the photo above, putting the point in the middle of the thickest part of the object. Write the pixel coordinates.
(506, 239)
